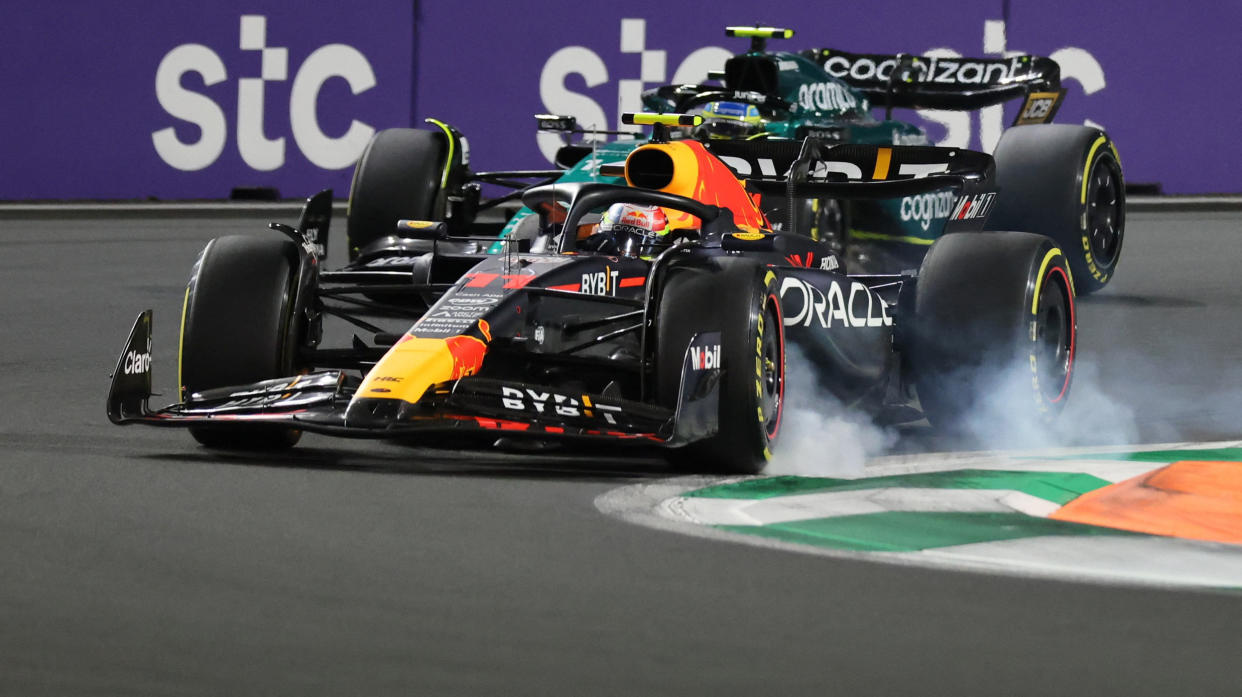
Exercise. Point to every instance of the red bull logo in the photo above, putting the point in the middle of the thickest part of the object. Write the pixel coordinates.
(414, 364)
(467, 353)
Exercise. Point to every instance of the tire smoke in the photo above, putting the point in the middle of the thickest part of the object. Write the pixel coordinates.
(821, 436)
(1090, 417)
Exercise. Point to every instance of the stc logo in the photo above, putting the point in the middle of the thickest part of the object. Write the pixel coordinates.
(258, 150)
(587, 65)
(960, 129)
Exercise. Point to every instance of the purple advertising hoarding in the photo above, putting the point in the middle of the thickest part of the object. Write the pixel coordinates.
(596, 69)
(188, 100)
(1160, 77)
(1157, 79)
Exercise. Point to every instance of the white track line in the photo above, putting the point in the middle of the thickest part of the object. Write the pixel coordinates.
(835, 504)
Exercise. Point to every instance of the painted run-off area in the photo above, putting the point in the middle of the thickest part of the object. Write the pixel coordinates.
(1171, 515)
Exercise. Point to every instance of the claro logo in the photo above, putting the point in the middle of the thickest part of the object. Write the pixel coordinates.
(137, 363)
(257, 150)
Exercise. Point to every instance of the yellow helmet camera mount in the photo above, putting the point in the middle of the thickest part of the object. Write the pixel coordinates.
(660, 122)
(759, 35)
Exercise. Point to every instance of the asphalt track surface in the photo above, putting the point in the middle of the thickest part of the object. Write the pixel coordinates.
(136, 563)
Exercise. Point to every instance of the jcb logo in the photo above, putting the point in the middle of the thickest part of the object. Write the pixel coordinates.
(1039, 108)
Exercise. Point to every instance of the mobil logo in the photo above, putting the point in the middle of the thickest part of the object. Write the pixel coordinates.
(201, 145)
(705, 357)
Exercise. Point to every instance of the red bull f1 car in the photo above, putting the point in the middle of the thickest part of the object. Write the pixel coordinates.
(658, 312)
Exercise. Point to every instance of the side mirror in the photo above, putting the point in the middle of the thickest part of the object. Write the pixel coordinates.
(422, 230)
(556, 123)
(751, 242)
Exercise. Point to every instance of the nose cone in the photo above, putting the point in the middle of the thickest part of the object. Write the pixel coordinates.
(403, 376)
(364, 412)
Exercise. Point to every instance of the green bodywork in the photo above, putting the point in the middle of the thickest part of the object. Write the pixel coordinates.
(820, 105)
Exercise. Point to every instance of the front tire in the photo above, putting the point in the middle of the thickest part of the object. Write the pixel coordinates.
(739, 299)
(994, 330)
(1064, 182)
(238, 328)
(397, 177)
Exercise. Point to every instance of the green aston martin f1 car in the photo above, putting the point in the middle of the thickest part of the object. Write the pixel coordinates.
(1061, 181)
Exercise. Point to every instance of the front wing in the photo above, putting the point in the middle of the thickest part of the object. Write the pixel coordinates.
(320, 403)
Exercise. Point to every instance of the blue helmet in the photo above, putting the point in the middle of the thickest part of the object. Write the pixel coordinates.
(729, 120)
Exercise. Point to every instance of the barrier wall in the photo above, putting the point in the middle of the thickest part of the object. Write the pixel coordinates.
(187, 100)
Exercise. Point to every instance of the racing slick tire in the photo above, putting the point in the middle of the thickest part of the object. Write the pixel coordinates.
(397, 177)
(1065, 182)
(739, 299)
(994, 330)
(238, 328)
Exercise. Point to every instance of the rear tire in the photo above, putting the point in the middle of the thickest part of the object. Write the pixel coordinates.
(397, 177)
(238, 328)
(1064, 182)
(739, 299)
(994, 329)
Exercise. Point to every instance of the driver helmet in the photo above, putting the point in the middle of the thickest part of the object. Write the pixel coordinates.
(629, 229)
(729, 120)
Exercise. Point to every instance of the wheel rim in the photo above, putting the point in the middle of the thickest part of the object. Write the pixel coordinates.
(772, 382)
(1104, 212)
(1054, 336)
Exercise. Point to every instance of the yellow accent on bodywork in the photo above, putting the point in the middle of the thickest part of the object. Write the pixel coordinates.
(408, 370)
(185, 304)
(1086, 168)
(648, 119)
(1039, 279)
(448, 133)
(883, 157)
(864, 235)
(759, 32)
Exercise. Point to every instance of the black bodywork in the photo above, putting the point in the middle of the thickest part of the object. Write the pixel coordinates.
(570, 336)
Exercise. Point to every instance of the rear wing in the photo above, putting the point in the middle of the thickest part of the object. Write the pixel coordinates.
(852, 170)
(957, 84)
(815, 169)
